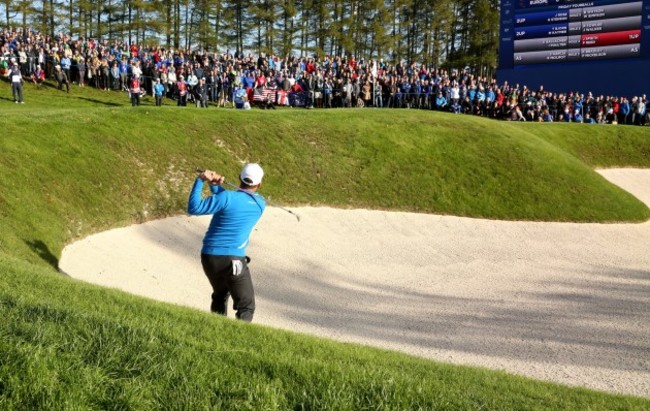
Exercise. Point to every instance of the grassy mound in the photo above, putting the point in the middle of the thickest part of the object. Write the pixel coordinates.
(75, 164)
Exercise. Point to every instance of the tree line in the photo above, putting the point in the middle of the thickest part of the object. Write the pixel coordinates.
(439, 33)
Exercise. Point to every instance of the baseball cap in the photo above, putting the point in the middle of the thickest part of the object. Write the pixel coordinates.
(251, 174)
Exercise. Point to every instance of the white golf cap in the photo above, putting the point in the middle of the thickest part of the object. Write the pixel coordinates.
(251, 174)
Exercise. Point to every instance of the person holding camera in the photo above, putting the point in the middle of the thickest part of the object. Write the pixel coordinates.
(223, 255)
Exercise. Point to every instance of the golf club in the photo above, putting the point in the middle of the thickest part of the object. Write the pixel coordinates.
(228, 183)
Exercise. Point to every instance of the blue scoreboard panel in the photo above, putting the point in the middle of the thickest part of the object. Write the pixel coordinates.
(567, 45)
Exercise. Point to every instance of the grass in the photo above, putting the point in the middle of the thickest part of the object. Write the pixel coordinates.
(69, 345)
(75, 164)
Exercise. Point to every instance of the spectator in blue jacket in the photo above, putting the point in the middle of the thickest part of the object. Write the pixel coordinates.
(124, 72)
(66, 63)
(441, 102)
(577, 116)
(158, 92)
(623, 111)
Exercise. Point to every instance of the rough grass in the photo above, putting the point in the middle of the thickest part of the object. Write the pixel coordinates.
(70, 345)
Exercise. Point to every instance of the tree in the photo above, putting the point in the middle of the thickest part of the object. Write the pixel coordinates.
(483, 40)
(27, 11)
(8, 4)
(236, 21)
(264, 13)
(439, 33)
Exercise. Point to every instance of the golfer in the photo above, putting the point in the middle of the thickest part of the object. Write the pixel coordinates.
(223, 256)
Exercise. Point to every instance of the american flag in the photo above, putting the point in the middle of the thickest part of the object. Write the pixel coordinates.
(264, 94)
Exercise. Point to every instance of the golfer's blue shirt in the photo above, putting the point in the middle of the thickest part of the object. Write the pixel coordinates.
(234, 214)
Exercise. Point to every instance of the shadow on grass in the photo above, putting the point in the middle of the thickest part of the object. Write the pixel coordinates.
(46, 84)
(43, 251)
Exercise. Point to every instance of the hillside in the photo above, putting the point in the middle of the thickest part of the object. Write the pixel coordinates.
(72, 165)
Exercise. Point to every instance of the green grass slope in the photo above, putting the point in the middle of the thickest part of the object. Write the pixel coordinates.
(75, 164)
(69, 345)
(67, 172)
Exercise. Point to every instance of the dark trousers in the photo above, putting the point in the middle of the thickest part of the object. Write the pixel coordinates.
(230, 276)
(17, 90)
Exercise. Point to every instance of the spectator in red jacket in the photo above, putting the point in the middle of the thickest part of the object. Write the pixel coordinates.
(135, 91)
(38, 76)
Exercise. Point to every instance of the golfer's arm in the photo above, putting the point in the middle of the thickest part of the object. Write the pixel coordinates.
(216, 188)
(197, 205)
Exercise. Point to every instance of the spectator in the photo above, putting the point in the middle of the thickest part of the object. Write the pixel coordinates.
(467, 106)
(16, 78)
(241, 97)
(610, 117)
(172, 82)
(136, 70)
(211, 80)
(366, 93)
(516, 113)
(22, 60)
(577, 116)
(334, 81)
(327, 93)
(347, 94)
(192, 80)
(38, 76)
(81, 71)
(115, 75)
(124, 72)
(61, 79)
(159, 92)
(181, 88)
(201, 93)
(441, 102)
(65, 66)
(546, 116)
(640, 118)
(135, 90)
(223, 90)
(249, 84)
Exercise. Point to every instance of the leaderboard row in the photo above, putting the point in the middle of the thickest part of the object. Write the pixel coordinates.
(577, 28)
(584, 40)
(612, 11)
(577, 54)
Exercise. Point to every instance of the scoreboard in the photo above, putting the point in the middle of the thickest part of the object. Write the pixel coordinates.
(539, 35)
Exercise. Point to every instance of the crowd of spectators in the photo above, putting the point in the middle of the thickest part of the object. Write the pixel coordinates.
(266, 81)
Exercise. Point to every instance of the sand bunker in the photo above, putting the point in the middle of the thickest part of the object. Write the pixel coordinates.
(568, 303)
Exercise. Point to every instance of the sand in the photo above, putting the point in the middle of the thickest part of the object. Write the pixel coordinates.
(561, 302)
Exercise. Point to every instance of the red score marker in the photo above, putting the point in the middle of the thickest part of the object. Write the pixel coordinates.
(611, 39)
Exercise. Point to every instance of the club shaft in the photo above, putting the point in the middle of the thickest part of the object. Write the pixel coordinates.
(228, 183)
